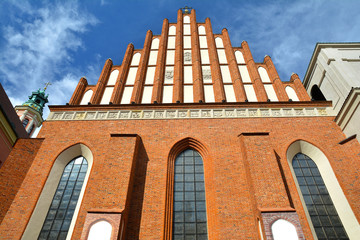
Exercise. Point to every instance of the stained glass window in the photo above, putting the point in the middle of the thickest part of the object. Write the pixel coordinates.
(189, 219)
(58, 219)
(323, 214)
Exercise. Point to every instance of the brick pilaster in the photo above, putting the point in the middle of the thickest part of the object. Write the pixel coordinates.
(79, 92)
(254, 74)
(275, 79)
(214, 63)
(140, 75)
(179, 55)
(100, 86)
(299, 88)
(233, 67)
(120, 82)
(160, 64)
(195, 49)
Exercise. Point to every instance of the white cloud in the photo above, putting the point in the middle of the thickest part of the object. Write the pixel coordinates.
(39, 46)
(289, 30)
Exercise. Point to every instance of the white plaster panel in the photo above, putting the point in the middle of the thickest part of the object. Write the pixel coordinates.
(135, 59)
(188, 94)
(131, 76)
(225, 73)
(167, 94)
(331, 93)
(245, 77)
(127, 95)
(202, 30)
(171, 42)
(113, 76)
(284, 230)
(206, 72)
(188, 78)
(186, 19)
(100, 230)
(270, 92)
(172, 30)
(239, 57)
(87, 97)
(264, 75)
(203, 42)
(187, 57)
(155, 43)
(107, 95)
(146, 97)
(222, 56)
(170, 57)
(250, 93)
(187, 29)
(229, 93)
(150, 74)
(169, 75)
(209, 93)
(187, 41)
(291, 93)
(153, 57)
(219, 42)
(204, 56)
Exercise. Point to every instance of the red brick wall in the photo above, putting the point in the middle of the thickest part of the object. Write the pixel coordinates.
(14, 170)
(241, 172)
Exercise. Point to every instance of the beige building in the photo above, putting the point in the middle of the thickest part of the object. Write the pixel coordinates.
(334, 74)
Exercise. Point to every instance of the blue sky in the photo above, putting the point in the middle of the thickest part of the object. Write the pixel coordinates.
(61, 41)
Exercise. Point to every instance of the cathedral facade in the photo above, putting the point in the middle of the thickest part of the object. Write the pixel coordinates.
(189, 138)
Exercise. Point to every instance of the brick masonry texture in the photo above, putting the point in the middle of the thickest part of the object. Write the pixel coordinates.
(232, 166)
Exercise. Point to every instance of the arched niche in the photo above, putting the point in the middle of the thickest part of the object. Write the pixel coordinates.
(202, 30)
(316, 93)
(87, 97)
(38, 216)
(291, 93)
(135, 59)
(239, 57)
(336, 193)
(186, 19)
(264, 75)
(219, 42)
(283, 230)
(113, 76)
(155, 43)
(172, 30)
(100, 230)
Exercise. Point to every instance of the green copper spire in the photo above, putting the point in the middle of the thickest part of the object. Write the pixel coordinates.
(38, 99)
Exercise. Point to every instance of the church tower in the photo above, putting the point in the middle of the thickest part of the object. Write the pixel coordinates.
(31, 112)
(188, 138)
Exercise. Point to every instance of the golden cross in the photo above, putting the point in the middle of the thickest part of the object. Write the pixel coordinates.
(186, 9)
(46, 85)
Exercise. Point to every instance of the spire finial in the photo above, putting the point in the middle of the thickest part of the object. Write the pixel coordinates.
(46, 85)
(186, 9)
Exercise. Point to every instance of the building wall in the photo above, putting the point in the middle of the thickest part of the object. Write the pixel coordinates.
(243, 131)
(334, 68)
(246, 163)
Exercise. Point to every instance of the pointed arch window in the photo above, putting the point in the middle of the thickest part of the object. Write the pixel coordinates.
(61, 211)
(189, 205)
(323, 214)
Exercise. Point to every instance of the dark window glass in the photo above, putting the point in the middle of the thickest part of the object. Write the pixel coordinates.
(189, 220)
(321, 209)
(57, 222)
(25, 122)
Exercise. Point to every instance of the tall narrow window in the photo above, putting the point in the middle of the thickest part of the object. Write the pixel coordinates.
(58, 219)
(189, 219)
(25, 122)
(323, 214)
